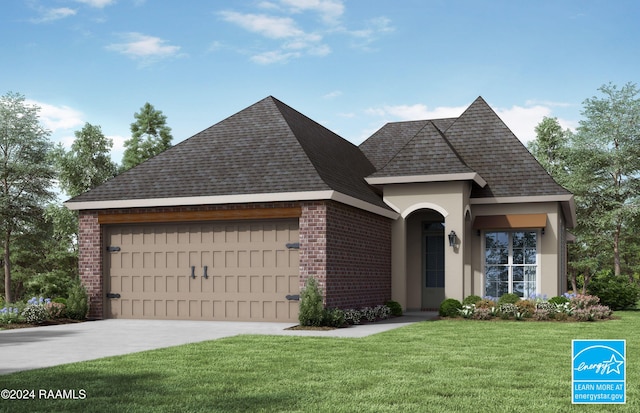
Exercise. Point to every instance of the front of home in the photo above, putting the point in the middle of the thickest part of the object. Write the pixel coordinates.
(228, 224)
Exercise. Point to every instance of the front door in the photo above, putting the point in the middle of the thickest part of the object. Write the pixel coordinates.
(433, 245)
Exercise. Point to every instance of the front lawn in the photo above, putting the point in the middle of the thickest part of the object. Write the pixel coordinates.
(435, 366)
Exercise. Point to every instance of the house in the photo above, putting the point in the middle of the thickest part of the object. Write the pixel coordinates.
(228, 224)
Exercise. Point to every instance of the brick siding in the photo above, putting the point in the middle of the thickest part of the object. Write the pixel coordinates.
(346, 249)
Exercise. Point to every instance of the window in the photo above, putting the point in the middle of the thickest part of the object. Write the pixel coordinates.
(511, 263)
(433, 245)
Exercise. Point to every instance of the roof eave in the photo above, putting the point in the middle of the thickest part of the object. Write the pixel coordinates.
(465, 176)
(233, 199)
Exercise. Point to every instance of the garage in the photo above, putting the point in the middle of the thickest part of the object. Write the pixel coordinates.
(229, 270)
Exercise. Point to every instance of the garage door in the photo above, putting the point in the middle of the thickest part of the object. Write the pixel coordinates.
(203, 271)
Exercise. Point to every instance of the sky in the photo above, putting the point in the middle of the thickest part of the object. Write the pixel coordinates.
(350, 65)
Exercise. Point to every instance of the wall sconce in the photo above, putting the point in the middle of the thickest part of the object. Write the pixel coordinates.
(452, 238)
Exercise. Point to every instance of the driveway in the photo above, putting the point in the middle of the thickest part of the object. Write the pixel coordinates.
(33, 348)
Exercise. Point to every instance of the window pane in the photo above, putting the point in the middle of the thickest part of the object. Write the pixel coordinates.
(529, 255)
(518, 255)
(530, 239)
(518, 273)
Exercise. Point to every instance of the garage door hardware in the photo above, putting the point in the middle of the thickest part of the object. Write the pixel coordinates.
(113, 295)
(293, 245)
(205, 273)
(113, 249)
(293, 297)
(193, 272)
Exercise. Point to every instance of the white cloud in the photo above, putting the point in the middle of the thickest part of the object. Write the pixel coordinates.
(330, 10)
(97, 3)
(522, 120)
(332, 94)
(276, 56)
(141, 46)
(268, 26)
(49, 15)
(55, 118)
(374, 28)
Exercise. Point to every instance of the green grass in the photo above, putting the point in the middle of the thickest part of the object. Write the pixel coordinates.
(437, 366)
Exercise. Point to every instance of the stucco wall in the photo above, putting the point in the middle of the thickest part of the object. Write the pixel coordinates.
(549, 244)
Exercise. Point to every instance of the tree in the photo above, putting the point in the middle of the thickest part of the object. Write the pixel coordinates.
(26, 173)
(551, 148)
(606, 166)
(87, 164)
(149, 136)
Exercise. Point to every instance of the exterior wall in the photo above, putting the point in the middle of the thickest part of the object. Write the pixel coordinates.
(451, 200)
(358, 257)
(91, 245)
(346, 249)
(90, 260)
(549, 247)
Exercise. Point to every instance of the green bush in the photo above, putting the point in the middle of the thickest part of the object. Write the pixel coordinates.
(333, 317)
(471, 299)
(616, 292)
(311, 308)
(450, 307)
(77, 302)
(60, 300)
(55, 283)
(508, 298)
(395, 307)
(559, 300)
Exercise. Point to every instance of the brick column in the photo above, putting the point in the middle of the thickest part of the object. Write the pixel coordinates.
(313, 244)
(90, 261)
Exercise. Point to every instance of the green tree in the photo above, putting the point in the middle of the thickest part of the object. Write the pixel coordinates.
(87, 164)
(606, 168)
(150, 136)
(26, 173)
(551, 148)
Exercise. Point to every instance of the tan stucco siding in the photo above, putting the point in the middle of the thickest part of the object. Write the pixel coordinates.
(549, 245)
(450, 199)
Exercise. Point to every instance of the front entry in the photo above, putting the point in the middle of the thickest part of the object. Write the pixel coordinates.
(433, 245)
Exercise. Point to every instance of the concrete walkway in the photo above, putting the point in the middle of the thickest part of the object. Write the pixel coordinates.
(33, 348)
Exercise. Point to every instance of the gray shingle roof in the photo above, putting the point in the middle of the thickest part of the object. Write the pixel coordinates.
(265, 148)
(477, 141)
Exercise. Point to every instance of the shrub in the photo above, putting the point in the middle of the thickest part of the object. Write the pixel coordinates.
(483, 313)
(56, 310)
(449, 308)
(508, 298)
(369, 313)
(471, 299)
(311, 308)
(526, 307)
(468, 310)
(508, 310)
(77, 302)
(543, 313)
(395, 307)
(616, 292)
(333, 317)
(486, 303)
(352, 316)
(581, 301)
(60, 300)
(56, 283)
(35, 313)
(9, 315)
(382, 312)
(558, 300)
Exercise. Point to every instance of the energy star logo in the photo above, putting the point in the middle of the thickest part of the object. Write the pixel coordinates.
(598, 371)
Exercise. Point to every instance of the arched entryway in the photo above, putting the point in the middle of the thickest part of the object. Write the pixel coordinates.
(425, 232)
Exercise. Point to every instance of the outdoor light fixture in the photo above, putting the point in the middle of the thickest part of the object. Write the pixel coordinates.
(452, 238)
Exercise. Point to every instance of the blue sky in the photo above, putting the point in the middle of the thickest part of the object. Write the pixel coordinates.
(350, 65)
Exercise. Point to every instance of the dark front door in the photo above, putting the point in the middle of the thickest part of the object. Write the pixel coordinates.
(432, 264)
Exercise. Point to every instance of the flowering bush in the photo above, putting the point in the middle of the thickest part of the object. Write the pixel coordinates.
(34, 314)
(38, 301)
(543, 313)
(10, 315)
(55, 310)
(508, 310)
(467, 310)
(486, 302)
(353, 317)
(484, 313)
(593, 313)
(584, 301)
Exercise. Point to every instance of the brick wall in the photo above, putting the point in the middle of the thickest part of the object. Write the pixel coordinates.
(90, 260)
(348, 251)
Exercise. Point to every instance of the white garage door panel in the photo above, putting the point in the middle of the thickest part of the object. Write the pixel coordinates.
(250, 271)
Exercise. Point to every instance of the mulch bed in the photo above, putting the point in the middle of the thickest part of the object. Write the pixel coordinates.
(55, 322)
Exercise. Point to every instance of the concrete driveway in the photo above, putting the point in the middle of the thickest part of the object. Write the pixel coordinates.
(33, 348)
